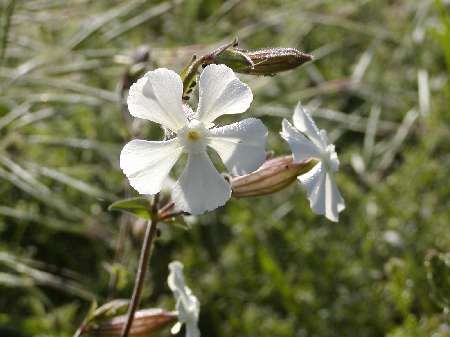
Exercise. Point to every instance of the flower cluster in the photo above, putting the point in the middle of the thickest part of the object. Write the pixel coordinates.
(157, 97)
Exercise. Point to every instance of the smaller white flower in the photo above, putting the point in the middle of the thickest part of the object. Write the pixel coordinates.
(187, 306)
(321, 189)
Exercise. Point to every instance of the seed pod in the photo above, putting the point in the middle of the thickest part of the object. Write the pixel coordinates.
(274, 175)
(146, 322)
(267, 61)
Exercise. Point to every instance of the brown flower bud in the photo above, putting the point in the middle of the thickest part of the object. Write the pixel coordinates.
(274, 175)
(267, 61)
(146, 323)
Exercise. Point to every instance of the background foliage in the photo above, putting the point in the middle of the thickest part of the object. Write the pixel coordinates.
(261, 267)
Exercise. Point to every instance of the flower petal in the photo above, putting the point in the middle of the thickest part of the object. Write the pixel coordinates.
(314, 184)
(302, 148)
(176, 328)
(200, 188)
(220, 93)
(157, 97)
(303, 122)
(192, 329)
(334, 203)
(241, 145)
(188, 306)
(147, 164)
(175, 280)
(322, 192)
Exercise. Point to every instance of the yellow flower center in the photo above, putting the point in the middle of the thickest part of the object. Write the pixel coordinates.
(193, 135)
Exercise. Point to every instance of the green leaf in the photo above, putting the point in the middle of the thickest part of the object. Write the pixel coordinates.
(139, 207)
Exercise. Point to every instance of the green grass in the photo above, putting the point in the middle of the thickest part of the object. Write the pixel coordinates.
(261, 267)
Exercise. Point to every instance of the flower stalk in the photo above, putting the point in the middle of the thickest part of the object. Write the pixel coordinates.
(150, 235)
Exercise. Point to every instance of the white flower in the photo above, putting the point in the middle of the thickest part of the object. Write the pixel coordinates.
(187, 305)
(157, 97)
(323, 194)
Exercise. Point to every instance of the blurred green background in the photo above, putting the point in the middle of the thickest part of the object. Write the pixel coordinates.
(261, 267)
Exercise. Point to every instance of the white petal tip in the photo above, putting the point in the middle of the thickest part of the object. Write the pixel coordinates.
(182, 205)
(221, 92)
(176, 328)
(200, 188)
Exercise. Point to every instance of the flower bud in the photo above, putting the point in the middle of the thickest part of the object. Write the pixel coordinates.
(267, 61)
(274, 175)
(146, 323)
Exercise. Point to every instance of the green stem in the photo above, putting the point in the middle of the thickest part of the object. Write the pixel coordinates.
(150, 234)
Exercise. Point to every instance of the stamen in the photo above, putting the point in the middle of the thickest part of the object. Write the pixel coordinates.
(193, 135)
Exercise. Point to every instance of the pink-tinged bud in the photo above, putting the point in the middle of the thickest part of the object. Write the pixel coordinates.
(146, 322)
(274, 175)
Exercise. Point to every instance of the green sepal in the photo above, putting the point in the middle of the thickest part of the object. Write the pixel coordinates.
(235, 59)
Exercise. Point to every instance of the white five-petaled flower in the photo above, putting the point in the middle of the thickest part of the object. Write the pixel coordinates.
(157, 97)
(323, 194)
(187, 305)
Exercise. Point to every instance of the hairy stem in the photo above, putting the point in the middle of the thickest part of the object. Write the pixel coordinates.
(150, 234)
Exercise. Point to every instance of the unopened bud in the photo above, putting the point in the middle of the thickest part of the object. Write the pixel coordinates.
(146, 323)
(267, 61)
(274, 175)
